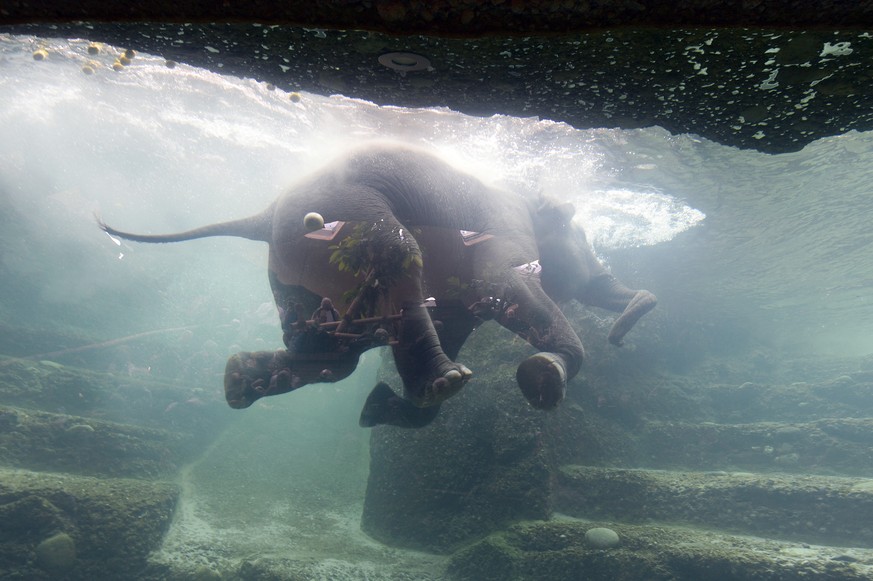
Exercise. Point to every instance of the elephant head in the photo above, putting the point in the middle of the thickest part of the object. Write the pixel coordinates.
(570, 270)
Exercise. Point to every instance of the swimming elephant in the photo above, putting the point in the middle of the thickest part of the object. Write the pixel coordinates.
(420, 253)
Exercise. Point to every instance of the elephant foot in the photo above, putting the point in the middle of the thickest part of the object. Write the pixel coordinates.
(543, 380)
(437, 390)
(429, 376)
(251, 376)
(426, 390)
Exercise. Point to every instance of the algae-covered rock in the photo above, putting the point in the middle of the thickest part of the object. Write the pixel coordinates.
(183, 404)
(75, 527)
(56, 554)
(558, 551)
(811, 509)
(274, 568)
(59, 442)
(204, 573)
(491, 559)
(479, 466)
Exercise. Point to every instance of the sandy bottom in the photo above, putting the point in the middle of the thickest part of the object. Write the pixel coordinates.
(283, 489)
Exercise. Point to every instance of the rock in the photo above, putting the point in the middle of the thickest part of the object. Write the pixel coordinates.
(80, 527)
(45, 441)
(56, 554)
(480, 465)
(204, 573)
(556, 550)
(602, 538)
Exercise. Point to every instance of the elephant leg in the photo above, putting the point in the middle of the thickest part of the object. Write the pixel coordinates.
(429, 376)
(294, 304)
(605, 291)
(454, 323)
(249, 376)
(543, 377)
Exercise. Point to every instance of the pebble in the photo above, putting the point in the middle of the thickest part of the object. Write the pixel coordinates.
(602, 538)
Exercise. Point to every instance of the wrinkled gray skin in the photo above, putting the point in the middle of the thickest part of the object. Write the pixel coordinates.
(420, 204)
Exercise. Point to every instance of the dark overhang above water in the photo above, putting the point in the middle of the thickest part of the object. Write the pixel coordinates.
(770, 76)
(459, 17)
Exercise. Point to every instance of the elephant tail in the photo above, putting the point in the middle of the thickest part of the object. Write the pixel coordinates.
(258, 227)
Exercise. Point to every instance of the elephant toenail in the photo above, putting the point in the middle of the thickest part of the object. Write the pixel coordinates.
(440, 384)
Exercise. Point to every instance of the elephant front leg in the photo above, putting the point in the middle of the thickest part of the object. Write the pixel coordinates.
(429, 376)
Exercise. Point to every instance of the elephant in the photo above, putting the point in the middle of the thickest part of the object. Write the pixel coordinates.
(421, 253)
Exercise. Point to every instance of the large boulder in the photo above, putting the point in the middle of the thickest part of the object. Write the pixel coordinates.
(560, 551)
(480, 465)
(72, 527)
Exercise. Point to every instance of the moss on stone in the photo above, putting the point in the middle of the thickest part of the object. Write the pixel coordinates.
(556, 551)
(56, 554)
(115, 524)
